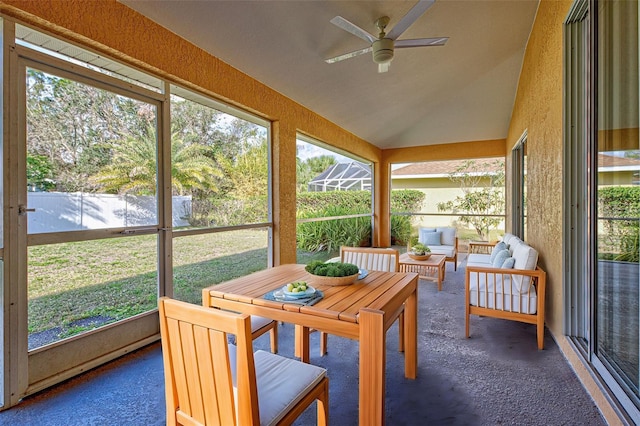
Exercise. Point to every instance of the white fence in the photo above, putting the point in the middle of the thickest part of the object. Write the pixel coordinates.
(58, 211)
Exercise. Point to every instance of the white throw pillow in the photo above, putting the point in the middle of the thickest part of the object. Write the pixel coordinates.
(501, 256)
(432, 239)
(422, 232)
(507, 264)
(496, 249)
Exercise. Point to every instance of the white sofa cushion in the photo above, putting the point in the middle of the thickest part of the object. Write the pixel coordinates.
(448, 236)
(507, 237)
(479, 259)
(513, 243)
(495, 291)
(526, 257)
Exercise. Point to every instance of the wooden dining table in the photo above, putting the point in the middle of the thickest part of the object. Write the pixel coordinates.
(363, 311)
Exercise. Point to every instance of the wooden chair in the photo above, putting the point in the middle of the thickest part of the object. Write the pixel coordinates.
(371, 259)
(210, 382)
(260, 325)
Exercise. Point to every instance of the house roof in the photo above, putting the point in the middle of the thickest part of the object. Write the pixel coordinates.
(606, 163)
(440, 168)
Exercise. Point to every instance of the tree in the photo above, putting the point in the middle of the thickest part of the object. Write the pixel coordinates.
(71, 124)
(482, 185)
(134, 169)
(310, 168)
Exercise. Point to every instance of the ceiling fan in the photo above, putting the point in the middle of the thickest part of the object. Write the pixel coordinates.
(383, 45)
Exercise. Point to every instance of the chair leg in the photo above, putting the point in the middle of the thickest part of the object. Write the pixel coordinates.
(323, 343)
(401, 332)
(466, 322)
(541, 336)
(323, 406)
(274, 338)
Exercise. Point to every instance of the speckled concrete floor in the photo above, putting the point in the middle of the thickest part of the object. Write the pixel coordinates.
(497, 377)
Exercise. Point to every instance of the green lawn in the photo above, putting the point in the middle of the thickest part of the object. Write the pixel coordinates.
(81, 285)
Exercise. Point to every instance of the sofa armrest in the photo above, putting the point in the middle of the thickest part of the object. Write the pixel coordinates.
(538, 277)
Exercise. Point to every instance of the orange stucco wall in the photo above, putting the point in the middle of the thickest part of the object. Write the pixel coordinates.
(538, 109)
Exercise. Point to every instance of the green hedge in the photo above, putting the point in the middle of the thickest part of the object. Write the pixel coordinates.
(330, 235)
(621, 239)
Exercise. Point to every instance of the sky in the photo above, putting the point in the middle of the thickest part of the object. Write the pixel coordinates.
(307, 150)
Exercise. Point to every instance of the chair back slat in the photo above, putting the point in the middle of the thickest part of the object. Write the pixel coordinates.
(210, 382)
(372, 259)
(198, 349)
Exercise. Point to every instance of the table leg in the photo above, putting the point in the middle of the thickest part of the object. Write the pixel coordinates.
(372, 367)
(302, 343)
(411, 335)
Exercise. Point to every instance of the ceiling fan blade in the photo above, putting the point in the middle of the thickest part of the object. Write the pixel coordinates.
(408, 19)
(417, 42)
(352, 28)
(348, 55)
(384, 67)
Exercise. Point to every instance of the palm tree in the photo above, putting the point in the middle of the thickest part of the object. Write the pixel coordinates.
(133, 168)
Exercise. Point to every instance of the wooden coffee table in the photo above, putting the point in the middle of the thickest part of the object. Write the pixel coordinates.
(431, 269)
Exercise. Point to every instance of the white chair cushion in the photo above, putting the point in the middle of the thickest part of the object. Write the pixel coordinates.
(258, 322)
(448, 251)
(448, 236)
(505, 297)
(282, 382)
(371, 261)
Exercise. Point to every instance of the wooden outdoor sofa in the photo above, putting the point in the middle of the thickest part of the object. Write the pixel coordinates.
(506, 284)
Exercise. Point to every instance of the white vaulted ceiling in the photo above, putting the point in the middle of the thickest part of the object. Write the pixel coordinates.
(459, 92)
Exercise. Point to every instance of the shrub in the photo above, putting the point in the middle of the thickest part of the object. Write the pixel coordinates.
(330, 235)
(619, 208)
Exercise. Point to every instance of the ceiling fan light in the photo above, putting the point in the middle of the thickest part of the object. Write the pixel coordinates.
(382, 50)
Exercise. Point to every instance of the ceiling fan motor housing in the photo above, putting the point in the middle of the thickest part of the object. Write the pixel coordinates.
(382, 50)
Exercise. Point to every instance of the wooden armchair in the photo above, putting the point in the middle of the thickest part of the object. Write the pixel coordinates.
(260, 325)
(210, 382)
(371, 259)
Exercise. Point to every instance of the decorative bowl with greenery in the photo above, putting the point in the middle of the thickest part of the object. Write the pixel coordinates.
(333, 273)
(420, 251)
